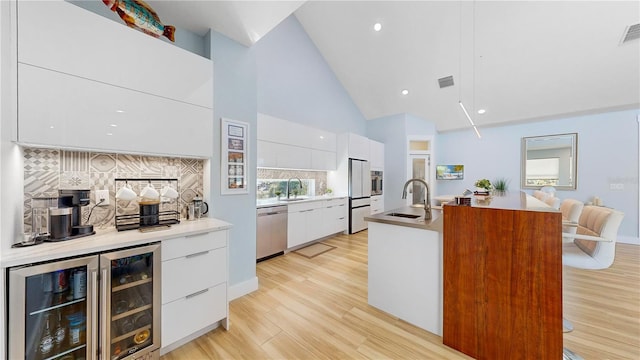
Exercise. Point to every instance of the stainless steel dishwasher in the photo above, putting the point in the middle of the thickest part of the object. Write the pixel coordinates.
(271, 237)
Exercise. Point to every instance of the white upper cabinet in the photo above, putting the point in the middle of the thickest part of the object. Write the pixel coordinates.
(358, 147)
(64, 111)
(60, 36)
(323, 160)
(86, 82)
(376, 151)
(286, 144)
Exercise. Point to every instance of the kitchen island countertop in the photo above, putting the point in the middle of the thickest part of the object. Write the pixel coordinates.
(434, 224)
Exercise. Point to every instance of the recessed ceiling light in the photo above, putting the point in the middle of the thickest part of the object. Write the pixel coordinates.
(113, 125)
(377, 26)
(120, 111)
(405, 92)
(481, 111)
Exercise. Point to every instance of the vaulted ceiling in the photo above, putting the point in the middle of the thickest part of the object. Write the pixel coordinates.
(518, 60)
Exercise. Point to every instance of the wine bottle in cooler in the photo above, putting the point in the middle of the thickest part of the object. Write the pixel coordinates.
(47, 342)
(60, 333)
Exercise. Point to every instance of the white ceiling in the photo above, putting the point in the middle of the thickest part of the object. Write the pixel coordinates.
(518, 60)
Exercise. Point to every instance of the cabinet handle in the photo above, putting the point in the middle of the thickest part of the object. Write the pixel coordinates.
(329, 207)
(197, 254)
(194, 235)
(103, 288)
(196, 293)
(94, 308)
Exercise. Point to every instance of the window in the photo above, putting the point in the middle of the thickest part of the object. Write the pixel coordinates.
(268, 188)
(541, 172)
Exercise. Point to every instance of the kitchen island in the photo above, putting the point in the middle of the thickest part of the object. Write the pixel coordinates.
(405, 266)
(486, 277)
(502, 268)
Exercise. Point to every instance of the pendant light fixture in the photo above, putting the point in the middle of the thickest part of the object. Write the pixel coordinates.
(473, 43)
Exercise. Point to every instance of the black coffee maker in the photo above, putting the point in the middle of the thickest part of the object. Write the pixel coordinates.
(76, 199)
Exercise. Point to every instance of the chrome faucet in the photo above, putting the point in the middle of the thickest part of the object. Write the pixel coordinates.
(427, 203)
(289, 185)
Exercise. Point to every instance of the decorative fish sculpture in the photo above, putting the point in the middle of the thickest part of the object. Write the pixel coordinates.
(138, 14)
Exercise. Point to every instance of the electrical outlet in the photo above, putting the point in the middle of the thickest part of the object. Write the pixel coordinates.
(102, 194)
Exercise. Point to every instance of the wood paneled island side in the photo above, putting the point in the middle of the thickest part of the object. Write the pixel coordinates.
(502, 274)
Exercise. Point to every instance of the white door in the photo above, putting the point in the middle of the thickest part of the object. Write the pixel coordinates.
(419, 165)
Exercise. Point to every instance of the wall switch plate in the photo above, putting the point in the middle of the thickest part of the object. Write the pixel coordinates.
(102, 194)
(617, 187)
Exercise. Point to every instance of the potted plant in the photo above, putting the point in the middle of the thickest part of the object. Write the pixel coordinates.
(484, 185)
(501, 185)
(328, 192)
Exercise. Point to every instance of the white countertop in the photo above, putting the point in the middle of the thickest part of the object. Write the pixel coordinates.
(274, 201)
(105, 240)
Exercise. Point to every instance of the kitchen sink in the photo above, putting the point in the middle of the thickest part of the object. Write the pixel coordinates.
(408, 216)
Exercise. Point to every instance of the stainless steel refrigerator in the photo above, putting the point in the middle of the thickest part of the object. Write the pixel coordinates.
(104, 306)
(359, 194)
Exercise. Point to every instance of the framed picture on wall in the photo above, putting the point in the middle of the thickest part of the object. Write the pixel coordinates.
(233, 161)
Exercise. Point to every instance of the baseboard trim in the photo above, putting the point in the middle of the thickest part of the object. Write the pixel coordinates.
(629, 240)
(243, 288)
(195, 335)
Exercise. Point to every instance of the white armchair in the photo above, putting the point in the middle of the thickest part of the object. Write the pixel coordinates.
(571, 210)
(540, 195)
(553, 201)
(594, 243)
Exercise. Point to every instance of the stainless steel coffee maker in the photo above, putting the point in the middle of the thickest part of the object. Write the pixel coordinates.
(73, 199)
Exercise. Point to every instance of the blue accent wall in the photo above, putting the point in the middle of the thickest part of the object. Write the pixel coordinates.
(607, 154)
(234, 97)
(295, 83)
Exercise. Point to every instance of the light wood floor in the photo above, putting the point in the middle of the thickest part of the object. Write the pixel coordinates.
(317, 309)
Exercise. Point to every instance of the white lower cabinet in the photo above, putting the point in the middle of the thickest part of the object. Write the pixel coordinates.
(377, 204)
(303, 222)
(316, 219)
(335, 216)
(194, 286)
(192, 313)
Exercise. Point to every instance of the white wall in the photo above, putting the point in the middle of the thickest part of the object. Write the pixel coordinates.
(607, 154)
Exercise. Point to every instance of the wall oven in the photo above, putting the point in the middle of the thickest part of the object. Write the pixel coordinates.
(376, 183)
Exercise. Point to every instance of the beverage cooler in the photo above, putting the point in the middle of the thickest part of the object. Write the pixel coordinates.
(104, 306)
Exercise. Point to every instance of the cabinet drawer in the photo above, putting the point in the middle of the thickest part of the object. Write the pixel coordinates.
(335, 202)
(187, 315)
(305, 206)
(188, 274)
(189, 245)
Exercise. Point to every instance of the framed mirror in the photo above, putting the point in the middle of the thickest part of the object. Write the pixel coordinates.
(549, 160)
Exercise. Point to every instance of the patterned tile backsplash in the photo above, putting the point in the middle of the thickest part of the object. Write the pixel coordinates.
(47, 170)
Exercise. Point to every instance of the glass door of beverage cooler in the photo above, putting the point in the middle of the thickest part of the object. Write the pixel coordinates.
(52, 310)
(131, 311)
